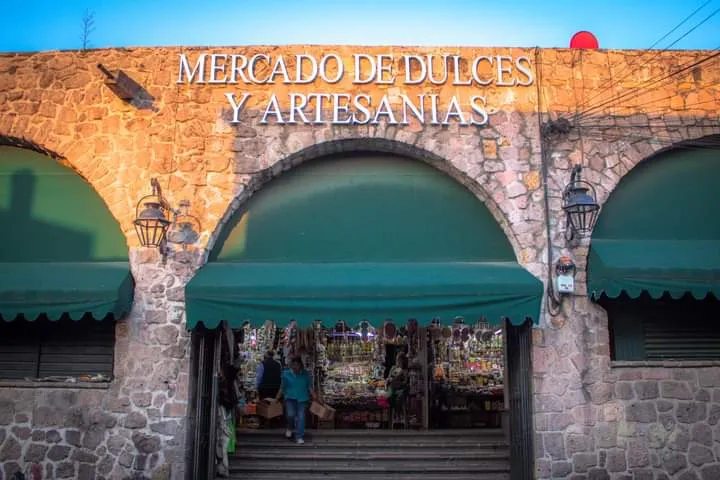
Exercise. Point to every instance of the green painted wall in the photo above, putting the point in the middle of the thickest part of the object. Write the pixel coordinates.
(673, 196)
(48, 213)
(363, 208)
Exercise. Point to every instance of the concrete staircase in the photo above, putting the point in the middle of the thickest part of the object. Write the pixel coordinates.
(372, 454)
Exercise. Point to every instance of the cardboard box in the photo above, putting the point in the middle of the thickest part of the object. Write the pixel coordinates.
(269, 408)
(322, 411)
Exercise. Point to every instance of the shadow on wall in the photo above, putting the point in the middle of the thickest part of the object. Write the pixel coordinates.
(28, 239)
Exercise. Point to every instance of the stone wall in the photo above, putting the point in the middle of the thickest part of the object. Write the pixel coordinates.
(134, 427)
(181, 135)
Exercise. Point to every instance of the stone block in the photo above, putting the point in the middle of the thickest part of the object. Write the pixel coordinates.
(35, 453)
(710, 472)
(673, 462)
(105, 466)
(142, 399)
(578, 443)
(11, 450)
(561, 469)
(624, 391)
(135, 420)
(83, 455)
(714, 415)
(93, 436)
(600, 393)
(167, 334)
(643, 475)
(646, 390)
(709, 377)
(638, 455)
(7, 412)
(86, 472)
(146, 443)
(667, 420)
(65, 470)
(688, 475)
(598, 474)
(554, 445)
(702, 433)
(676, 390)
(606, 435)
(2, 436)
(699, 455)
(58, 452)
(584, 461)
(21, 433)
(679, 441)
(642, 412)
(691, 412)
(664, 405)
(615, 461)
(170, 427)
(703, 395)
(73, 437)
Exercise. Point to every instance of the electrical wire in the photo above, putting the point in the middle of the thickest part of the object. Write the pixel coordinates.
(553, 307)
(654, 81)
(654, 140)
(612, 83)
(658, 81)
(659, 115)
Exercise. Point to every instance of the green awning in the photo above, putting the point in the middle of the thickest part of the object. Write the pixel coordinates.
(675, 267)
(75, 289)
(353, 292)
(659, 231)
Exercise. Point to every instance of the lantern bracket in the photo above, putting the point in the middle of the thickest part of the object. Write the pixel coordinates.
(157, 223)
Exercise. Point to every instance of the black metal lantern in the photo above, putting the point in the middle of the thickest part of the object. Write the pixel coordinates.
(152, 223)
(580, 206)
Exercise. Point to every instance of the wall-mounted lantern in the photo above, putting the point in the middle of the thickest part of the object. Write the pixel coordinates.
(153, 226)
(580, 206)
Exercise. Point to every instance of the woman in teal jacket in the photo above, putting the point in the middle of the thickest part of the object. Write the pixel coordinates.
(297, 389)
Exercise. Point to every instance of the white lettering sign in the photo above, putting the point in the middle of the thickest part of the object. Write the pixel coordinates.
(360, 109)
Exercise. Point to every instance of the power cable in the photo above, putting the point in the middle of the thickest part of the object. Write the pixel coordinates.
(653, 115)
(633, 92)
(655, 140)
(657, 54)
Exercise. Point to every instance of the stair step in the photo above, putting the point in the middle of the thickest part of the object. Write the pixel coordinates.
(302, 453)
(373, 445)
(372, 432)
(364, 465)
(370, 476)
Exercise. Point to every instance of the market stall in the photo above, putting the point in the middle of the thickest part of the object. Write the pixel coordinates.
(454, 374)
(468, 376)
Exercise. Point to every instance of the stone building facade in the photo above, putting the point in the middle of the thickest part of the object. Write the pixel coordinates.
(594, 419)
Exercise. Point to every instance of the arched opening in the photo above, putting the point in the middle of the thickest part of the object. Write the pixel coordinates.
(348, 260)
(654, 261)
(64, 272)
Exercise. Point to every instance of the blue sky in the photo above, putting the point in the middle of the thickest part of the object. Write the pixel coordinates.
(51, 25)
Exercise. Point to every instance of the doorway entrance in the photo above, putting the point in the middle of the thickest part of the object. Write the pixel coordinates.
(349, 260)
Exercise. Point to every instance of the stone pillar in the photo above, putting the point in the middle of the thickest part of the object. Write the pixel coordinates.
(136, 426)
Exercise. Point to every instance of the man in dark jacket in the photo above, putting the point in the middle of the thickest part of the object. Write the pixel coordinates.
(268, 376)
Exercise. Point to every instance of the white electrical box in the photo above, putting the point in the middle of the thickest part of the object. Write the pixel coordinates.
(565, 284)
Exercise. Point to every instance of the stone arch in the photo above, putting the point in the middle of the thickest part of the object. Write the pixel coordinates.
(612, 169)
(371, 145)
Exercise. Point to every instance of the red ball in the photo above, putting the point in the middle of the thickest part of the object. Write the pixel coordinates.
(583, 39)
